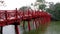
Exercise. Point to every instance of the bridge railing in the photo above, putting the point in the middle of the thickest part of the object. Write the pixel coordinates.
(13, 17)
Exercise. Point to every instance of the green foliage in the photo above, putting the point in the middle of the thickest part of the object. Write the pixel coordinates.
(25, 8)
(40, 0)
(55, 11)
(42, 6)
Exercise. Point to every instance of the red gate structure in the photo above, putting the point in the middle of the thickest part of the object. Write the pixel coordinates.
(13, 17)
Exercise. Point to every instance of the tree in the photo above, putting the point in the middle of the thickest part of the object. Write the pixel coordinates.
(25, 8)
(51, 8)
(41, 1)
(42, 6)
(55, 10)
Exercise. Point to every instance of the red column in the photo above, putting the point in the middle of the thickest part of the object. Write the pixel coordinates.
(34, 22)
(24, 25)
(6, 16)
(1, 30)
(29, 25)
(16, 29)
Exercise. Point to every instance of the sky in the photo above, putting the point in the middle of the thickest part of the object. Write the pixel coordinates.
(12, 4)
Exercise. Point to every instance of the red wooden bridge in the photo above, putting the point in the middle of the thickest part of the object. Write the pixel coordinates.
(13, 17)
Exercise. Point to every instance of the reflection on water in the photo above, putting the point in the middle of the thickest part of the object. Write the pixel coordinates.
(54, 28)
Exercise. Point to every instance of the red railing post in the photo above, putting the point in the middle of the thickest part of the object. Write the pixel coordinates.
(16, 23)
